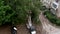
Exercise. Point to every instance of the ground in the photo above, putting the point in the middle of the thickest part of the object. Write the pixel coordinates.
(21, 29)
(48, 28)
(44, 28)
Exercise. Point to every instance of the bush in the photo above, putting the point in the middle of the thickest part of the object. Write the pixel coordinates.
(5, 13)
(35, 15)
(52, 17)
(15, 11)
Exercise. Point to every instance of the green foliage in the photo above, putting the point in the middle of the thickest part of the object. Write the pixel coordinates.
(35, 15)
(5, 13)
(16, 11)
(28, 5)
(52, 18)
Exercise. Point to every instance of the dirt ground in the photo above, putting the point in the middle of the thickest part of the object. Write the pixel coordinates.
(47, 27)
(21, 29)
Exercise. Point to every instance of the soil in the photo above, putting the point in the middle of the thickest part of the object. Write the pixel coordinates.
(21, 29)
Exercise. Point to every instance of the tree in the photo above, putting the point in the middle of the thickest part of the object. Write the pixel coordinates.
(16, 11)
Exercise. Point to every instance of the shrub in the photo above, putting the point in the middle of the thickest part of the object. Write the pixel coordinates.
(52, 17)
(15, 11)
